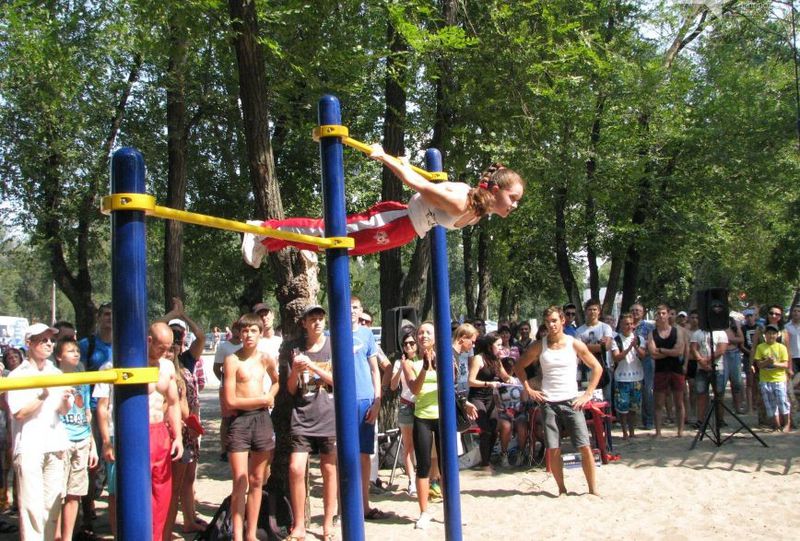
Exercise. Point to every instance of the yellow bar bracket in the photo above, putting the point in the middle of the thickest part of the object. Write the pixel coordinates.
(331, 130)
(132, 201)
(116, 376)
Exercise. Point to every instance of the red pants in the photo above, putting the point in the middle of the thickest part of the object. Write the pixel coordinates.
(381, 227)
(161, 476)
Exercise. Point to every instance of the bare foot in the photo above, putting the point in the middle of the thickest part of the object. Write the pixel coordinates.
(596, 494)
(679, 435)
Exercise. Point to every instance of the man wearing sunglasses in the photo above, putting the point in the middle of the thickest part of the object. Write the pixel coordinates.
(570, 314)
(39, 438)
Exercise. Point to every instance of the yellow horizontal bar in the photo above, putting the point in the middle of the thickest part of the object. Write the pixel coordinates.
(126, 201)
(117, 376)
(332, 130)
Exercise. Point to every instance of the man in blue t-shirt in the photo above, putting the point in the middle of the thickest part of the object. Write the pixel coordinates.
(96, 351)
(368, 398)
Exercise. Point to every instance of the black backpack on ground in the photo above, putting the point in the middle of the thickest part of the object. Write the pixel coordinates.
(269, 526)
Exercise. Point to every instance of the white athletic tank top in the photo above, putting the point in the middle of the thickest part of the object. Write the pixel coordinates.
(424, 217)
(559, 371)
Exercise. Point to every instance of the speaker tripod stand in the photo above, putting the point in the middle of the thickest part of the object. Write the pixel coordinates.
(712, 430)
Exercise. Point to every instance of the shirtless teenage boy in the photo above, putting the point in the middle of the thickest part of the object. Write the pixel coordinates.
(250, 430)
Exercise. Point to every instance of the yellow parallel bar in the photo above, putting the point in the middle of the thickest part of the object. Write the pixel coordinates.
(131, 201)
(117, 376)
(330, 130)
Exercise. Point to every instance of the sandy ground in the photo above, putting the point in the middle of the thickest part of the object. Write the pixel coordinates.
(658, 490)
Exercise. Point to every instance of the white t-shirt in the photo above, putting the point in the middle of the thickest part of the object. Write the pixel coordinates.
(701, 338)
(405, 392)
(106, 390)
(630, 368)
(592, 334)
(269, 346)
(794, 339)
(42, 431)
(462, 378)
(224, 349)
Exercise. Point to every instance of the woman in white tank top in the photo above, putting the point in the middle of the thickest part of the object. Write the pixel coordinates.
(390, 224)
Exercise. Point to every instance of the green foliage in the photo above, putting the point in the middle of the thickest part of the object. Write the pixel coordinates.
(709, 142)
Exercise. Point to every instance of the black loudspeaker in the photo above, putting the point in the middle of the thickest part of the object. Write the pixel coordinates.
(712, 306)
(394, 321)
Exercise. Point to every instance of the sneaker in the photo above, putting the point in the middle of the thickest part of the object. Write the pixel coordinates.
(423, 521)
(504, 460)
(435, 494)
(412, 488)
(252, 249)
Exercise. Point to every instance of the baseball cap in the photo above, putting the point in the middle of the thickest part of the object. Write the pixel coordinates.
(38, 328)
(311, 308)
(179, 323)
(259, 307)
(749, 312)
(682, 313)
(772, 327)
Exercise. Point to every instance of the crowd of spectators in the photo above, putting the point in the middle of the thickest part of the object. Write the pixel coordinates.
(57, 447)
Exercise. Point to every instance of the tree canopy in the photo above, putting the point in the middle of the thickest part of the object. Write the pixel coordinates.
(659, 142)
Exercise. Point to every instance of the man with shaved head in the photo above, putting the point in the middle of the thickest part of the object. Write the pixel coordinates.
(165, 423)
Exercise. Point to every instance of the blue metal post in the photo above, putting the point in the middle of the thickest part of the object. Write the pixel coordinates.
(129, 296)
(338, 271)
(444, 373)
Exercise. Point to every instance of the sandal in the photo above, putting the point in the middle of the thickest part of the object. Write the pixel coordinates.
(376, 514)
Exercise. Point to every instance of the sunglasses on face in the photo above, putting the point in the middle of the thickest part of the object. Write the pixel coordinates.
(571, 314)
(409, 343)
(775, 314)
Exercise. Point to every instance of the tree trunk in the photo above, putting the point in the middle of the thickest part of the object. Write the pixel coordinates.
(484, 274)
(633, 257)
(591, 170)
(391, 265)
(562, 249)
(469, 275)
(417, 277)
(613, 282)
(295, 274)
(177, 151)
(77, 287)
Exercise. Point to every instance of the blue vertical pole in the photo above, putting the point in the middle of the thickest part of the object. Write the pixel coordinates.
(129, 296)
(338, 273)
(444, 373)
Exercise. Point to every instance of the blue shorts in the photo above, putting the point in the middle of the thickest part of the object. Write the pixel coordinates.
(628, 396)
(366, 431)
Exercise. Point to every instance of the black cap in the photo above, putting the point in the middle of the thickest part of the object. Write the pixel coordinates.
(772, 327)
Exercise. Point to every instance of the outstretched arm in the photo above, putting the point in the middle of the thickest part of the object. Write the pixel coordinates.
(439, 195)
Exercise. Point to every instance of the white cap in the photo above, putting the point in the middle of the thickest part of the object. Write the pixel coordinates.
(38, 328)
(179, 322)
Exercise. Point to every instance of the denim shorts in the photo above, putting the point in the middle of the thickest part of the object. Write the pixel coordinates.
(560, 415)
(405, 414)
(702, 381)
(775, 399)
